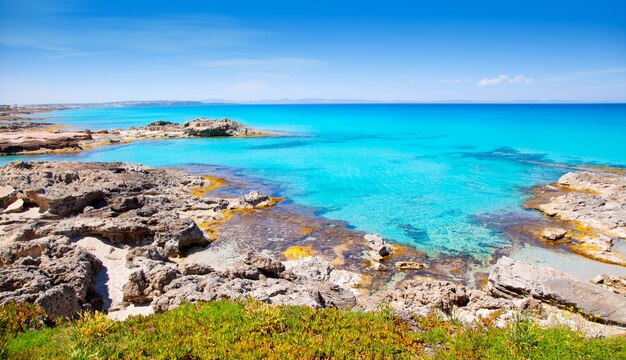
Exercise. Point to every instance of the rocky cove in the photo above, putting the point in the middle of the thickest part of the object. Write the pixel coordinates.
(129, 239)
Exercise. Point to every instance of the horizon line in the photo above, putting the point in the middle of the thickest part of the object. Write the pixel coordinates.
(315, 101)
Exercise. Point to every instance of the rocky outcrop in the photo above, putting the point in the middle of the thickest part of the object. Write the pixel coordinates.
(122, 203)
(553, 233)
(421, 297)
(218, 127)
(590, 209)
(50, 272)
(378, 247)
(153, 212)
(259, 277)
(513, 278)
(40, 141)
(37, 138)
(617, 284)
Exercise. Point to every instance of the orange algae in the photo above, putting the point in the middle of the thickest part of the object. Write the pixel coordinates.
(207, 227)
(273, 201)
(593, 252)
(214, 183)
(305, 231)
(297, 252)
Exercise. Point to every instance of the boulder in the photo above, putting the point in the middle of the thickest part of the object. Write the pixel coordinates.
(378, 247)
(514, 278)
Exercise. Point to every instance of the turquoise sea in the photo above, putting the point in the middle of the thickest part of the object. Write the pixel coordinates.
(417, 174)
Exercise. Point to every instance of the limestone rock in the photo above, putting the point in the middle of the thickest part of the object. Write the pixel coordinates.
(263, 279)
(50, 272)
(204, 127)
(15, 207)
(251, 200)
(408, 265)
(553, 233)
(379, 248)
(8, 195)
(513, 278)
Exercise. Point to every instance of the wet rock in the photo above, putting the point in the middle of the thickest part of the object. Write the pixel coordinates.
(251, 200)
(592, 207)
(408, 265)
(513, 278)
(596, 200)
(378, 266)
(553, 233)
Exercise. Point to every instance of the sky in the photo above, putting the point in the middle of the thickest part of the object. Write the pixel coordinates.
(65, 51)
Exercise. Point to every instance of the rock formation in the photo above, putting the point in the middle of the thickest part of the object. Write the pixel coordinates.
(590, 209)
(151, 211)
(76, 236)
(40, 138)
(513, 278)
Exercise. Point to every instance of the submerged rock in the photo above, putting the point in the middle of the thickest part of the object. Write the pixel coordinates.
(408, 265)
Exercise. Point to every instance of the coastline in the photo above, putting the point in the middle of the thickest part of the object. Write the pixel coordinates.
(330, 244)
(33, 138)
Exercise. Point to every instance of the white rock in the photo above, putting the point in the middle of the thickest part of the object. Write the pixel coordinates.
(15, 207)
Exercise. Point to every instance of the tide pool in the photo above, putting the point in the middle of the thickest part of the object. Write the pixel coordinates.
(417, 174)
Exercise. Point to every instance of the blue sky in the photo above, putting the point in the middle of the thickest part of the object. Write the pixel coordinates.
(57, 51)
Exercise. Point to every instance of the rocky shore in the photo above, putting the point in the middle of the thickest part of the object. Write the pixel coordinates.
(118, 237)
(20, 137)
(587, 212)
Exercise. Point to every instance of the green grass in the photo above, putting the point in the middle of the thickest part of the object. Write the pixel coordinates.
(249, 330)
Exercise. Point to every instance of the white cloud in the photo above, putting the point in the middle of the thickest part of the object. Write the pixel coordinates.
(500, 79)
(521, 79)
(455, 81)
(505, 79)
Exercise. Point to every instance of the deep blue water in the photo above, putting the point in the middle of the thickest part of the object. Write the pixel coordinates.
(417, 174)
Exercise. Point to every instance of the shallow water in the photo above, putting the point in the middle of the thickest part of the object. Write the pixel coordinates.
(418, 174)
